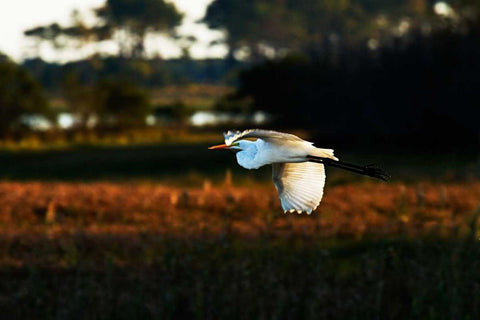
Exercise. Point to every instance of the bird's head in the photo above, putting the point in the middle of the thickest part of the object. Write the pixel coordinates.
(234, 146)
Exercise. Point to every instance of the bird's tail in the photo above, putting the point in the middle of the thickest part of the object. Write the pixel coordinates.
(323, 153)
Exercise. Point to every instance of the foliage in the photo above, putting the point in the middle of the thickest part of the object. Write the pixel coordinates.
(417, 92)
(148, 73)
(126, 21)
(272, 27)
(20, 95)
(137, 18)
(116, 103)
(248, 23)
(79, 99)
(58, 36)
(177, 110)
(121, 103)
(107, 102)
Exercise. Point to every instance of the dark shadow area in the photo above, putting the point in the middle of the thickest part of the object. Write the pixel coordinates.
(419, 93)
(180, 163)
(246, 279)
(114, 163)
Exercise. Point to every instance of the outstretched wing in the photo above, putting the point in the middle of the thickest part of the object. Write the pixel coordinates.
(232, 136)
(299, 185)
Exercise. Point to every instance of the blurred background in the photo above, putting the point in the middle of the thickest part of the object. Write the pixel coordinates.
(112, 207)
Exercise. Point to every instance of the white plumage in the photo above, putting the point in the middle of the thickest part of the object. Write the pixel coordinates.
(298, 166)
(232, 136)
(299, 183)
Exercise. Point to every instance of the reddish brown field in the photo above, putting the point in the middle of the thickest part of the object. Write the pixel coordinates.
(142, 250)
(349, 211)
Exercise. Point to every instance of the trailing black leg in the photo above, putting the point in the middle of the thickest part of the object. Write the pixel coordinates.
(368, 170)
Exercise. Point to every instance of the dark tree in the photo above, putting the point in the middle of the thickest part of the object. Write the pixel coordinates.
(20, 95)
(126, 21)
(136, 18)
(121, 104)
(421, 92)
(257, 26)
(270, 28)
(79, 98)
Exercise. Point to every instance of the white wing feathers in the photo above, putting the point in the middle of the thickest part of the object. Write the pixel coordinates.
(232, 136)
(299, 185)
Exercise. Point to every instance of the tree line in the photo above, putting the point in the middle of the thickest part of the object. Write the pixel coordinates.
(365, 73)
(394, 70)
(420, 93)
(108, 102)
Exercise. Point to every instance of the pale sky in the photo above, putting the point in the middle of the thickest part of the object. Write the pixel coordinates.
(19, 15)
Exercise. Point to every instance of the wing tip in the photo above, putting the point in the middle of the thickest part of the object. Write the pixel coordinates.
(308, 211)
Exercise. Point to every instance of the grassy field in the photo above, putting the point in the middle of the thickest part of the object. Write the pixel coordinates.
(180, 232)
(179, 163)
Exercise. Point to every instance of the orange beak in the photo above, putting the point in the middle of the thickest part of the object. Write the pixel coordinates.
(220, 146)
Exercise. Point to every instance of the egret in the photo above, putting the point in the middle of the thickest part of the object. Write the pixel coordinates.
(298, 166)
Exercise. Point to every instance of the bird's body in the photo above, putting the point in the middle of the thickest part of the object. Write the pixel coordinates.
(272, 147)
(256, 154)
(298, 166)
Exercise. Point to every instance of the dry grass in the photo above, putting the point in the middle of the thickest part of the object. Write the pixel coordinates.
(347, 211)
(141, 250)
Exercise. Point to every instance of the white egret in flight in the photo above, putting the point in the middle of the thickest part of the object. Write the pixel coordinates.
(298, 166)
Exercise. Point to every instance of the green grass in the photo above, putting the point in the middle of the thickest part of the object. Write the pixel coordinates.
(191, 163)
(152, 162)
